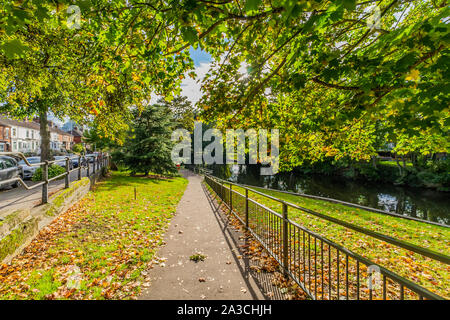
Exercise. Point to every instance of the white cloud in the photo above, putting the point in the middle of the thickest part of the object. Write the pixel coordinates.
(191, 87)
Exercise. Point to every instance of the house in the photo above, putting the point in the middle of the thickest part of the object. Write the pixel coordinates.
(24, 135)
(59, 139)
(5, 136)
(65, 139)
(77, 134)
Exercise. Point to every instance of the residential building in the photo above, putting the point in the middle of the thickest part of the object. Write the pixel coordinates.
(24, 135)
(77, 134)
(65, 139)
(5, 136)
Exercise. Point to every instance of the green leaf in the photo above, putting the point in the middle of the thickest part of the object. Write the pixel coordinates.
(189, 34)
(13, 48)
(251, 5)
(350, 5)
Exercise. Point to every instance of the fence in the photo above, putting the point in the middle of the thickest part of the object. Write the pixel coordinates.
(84, 162)
(322, 268)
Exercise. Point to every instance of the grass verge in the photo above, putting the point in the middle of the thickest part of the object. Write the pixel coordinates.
(101, 247)
(431, 274)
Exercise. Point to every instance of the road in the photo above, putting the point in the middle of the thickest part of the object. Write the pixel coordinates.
(20, 198)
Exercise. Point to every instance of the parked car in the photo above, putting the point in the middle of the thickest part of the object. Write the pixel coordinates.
(28, 171)
(62, 163)
(9, 169)
(75, 162)
(91, 157)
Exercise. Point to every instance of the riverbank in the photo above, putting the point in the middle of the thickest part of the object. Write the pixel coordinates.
(421, 203)
(433, 175)
(429, 273)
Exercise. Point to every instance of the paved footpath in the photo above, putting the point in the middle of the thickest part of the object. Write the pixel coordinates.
(199, 228)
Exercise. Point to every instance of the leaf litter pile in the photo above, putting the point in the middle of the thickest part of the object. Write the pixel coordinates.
(261, 263)
(101, 247)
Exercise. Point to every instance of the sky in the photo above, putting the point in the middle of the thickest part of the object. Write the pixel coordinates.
(202, 62)
(191, 87)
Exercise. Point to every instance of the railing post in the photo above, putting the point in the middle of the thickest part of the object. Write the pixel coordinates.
(66, 178)
(246, 208)
(285, 238)
(231, 199)
(79, 168)
(45, 185)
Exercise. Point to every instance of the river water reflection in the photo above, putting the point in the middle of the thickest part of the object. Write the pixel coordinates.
(421, 203)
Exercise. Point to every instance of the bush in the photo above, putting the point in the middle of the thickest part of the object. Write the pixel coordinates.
(78, 148)
(441, 166)
(53, 171)
(368, 172)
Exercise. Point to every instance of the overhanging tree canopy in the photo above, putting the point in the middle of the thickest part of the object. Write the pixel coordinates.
(360, 64)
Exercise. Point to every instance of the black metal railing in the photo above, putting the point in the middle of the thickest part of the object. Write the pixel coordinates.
(350, 204)
(84, 163)
(323, 269)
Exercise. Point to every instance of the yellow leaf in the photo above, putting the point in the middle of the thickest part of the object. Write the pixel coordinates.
(110, 88)
(413, 75)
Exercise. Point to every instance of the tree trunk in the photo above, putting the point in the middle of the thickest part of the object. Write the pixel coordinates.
(45, 135)
(374, 161)
(414, 160)
(399, 165)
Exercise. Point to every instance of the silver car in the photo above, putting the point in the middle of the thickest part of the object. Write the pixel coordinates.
(62, 163)
(27, 170)
(9, 169)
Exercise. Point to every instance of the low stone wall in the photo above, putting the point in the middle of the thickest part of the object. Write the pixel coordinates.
(21, 226)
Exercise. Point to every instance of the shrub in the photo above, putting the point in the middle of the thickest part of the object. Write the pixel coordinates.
(53, 171)
(368, 172)
(441, 166)
(78, 148)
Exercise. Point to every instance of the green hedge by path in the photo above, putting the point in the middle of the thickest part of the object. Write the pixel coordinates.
(53, 171)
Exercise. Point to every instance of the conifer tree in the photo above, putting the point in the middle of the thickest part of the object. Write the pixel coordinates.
(148, 146)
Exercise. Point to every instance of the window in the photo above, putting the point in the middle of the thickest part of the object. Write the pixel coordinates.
(20, 145)
(15, 145)
(9, 163)
(32, 134)
(6, 133)
(14, 132)
(2, 147)
(28, 133)
(2, 165)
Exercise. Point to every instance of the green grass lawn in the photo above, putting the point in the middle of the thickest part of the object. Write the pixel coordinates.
(393, 163)
(431, 274)
(101, 247)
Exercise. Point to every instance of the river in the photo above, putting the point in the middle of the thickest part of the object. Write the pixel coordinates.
(420, 203)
